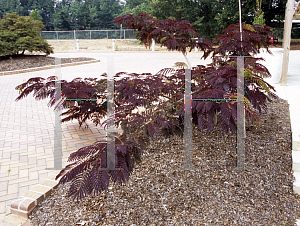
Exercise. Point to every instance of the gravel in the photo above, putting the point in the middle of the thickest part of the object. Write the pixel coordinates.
(159, 193)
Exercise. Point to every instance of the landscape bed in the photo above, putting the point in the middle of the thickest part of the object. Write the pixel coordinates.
(102, 45)
(31, 61)
(158, 193)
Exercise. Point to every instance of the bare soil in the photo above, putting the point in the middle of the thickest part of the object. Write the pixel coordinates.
(101, 45)
(122, 45)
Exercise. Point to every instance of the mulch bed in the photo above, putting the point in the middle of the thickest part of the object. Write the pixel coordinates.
(19, 62)
(160, 194)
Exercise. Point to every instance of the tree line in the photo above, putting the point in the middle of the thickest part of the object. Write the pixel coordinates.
(209, 17)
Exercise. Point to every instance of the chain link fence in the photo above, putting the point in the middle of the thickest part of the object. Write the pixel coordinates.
(90, 34)
(124, 34)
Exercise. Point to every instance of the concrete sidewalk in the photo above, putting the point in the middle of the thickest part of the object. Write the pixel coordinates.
(27, 126)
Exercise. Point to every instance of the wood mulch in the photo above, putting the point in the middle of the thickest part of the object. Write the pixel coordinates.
(19, 62)
(159, 193)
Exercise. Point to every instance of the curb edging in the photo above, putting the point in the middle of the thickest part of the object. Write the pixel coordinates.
(24, 206)
(46, 67)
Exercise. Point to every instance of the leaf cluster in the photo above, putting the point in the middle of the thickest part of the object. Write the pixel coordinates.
(233, 42)
(175, 35)
(88, 88)
(89, 173)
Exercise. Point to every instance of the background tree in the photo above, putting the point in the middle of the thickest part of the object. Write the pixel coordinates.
(82, 15)
(45, 8)
(61, 17)
(95, 15)
(79, 15)
(20, 33)
(205, 21)
(9, 6)
(36, 15)
(260, 19)
(259, 14)
(135, 7)
(258, 7)
(109, 9)
(134, 3)
(228, 13)
(210, 17)
(274, 12)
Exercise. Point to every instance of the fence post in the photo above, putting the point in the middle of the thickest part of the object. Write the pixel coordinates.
(74, 35)
(90, 34)
(56, 35)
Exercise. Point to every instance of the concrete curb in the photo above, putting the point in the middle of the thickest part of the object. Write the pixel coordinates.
(36, 195)
(296, 162)
(46, 67)
(20, 209)
(296, 141)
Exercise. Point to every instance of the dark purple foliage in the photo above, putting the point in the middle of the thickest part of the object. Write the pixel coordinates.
(88, 173)
(161, 96)
(254, 37)
(175, 35)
